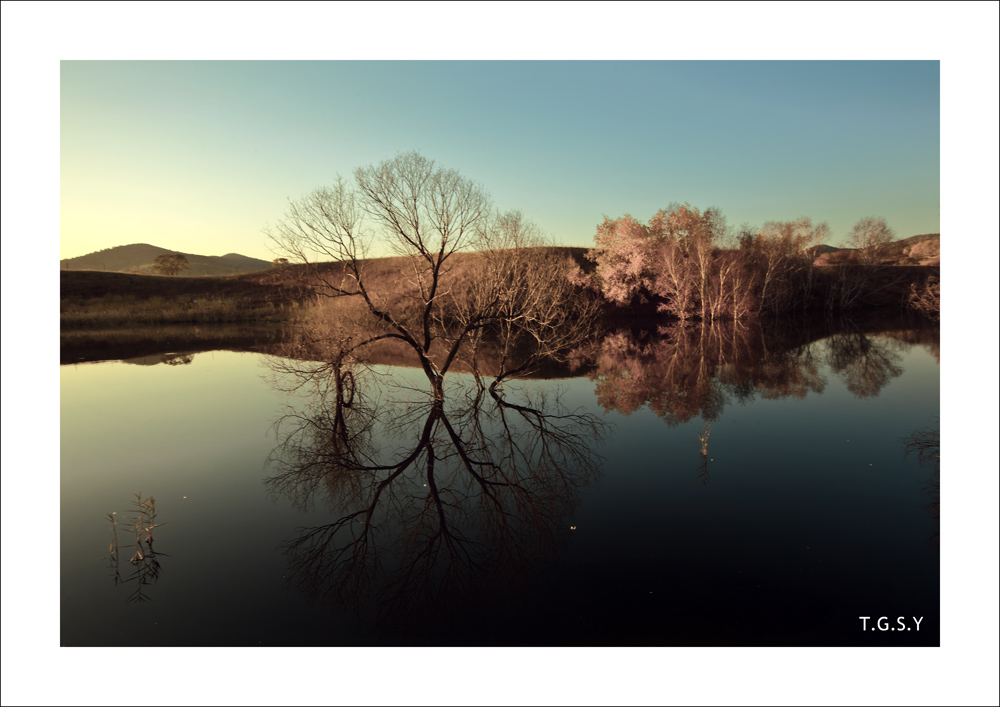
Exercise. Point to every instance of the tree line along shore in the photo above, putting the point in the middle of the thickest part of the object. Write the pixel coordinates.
(284, 294)
(467, 272)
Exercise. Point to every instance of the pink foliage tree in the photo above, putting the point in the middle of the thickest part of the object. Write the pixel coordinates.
(671, 260)
(623, 253)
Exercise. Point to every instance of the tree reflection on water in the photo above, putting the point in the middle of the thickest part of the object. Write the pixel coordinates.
(684, 372)
(442, 501)
(866, 363)
(445, 499)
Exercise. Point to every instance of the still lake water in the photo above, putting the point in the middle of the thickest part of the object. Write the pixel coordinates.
(686, 487)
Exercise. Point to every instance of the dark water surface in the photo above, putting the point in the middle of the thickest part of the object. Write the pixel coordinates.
(717, 486)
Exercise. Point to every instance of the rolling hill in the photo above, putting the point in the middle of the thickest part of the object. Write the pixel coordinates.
(138, 258)
(916, 250)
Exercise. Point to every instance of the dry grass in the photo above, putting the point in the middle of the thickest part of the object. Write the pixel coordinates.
(91, 299)
(95, 300)
(925, 298)
(124, 310)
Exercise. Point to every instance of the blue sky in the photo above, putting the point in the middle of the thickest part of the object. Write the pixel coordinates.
(199, 156)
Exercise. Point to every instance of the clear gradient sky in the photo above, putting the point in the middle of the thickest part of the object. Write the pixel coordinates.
(198, 156)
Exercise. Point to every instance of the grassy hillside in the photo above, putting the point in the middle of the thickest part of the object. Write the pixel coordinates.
(96, 299)
(916, 250)
(138, 258)
(919, 250)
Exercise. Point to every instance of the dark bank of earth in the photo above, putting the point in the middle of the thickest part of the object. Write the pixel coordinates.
(110, 300)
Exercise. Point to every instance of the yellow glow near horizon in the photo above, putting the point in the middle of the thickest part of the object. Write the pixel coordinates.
(200, 156)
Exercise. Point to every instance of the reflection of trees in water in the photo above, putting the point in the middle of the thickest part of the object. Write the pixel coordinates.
(771, 368)
(440, 501)
(671, 373)
(684, 372)
(925, 445)
(928, 338)
(866, 363)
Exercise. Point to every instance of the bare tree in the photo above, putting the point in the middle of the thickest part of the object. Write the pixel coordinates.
(426, 296)
(861, 278)
(782, 256)
(522, 286)
(925, 298)
(685, 240)
(170, 263)
(870, 237)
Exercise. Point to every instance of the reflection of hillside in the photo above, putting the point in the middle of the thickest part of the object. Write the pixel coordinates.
(171, 359)
(314, 344)
(151, 343)
(434, 505)
(777, 336)
(145, 346)
(685, 372)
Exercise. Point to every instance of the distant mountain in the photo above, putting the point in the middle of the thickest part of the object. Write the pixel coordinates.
(138, 258)
(818, 250)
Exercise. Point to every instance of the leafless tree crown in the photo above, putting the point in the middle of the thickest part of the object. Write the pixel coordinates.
(507, 286)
